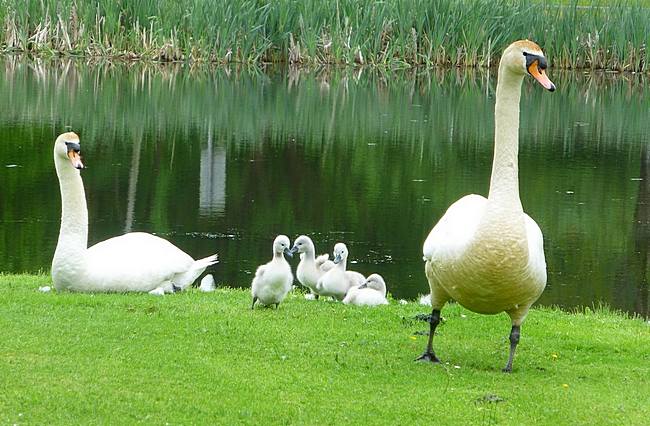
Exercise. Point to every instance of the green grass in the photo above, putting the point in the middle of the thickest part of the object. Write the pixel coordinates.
(595, 34)
(195, 358)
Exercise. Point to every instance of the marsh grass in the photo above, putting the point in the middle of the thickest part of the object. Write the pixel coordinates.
(594, 34)
(207, 358)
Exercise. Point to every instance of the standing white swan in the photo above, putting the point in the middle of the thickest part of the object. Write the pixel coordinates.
(132, 262)
(487, 254)
(273, 280)
(310, 268)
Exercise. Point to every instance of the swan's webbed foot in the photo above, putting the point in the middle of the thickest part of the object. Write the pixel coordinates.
(254, 300)
(176, 289)
(428, 357)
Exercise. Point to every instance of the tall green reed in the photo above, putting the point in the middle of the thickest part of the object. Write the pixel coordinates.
(594, 34)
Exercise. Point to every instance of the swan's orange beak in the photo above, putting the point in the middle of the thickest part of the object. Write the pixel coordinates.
(540, 75)
(75, 159)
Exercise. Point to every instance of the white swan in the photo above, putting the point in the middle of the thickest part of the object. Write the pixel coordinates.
(370, 293)
(132, 262)
(337, 281)
(310, 268)
(273, 280)
(487, 254)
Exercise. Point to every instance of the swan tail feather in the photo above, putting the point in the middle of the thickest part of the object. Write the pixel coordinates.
(206, 261)
(197, 268)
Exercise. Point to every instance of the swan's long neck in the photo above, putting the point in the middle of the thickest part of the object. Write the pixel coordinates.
(73, 234)
(504, 183)
(342, 265)
(310, 253)
(502, 227)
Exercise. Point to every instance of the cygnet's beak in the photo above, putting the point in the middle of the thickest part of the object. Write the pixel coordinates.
(288, 252)
(364, 285)
(293, 250)
(337, 258)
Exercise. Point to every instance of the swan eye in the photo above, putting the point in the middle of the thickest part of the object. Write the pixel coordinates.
(72, 146)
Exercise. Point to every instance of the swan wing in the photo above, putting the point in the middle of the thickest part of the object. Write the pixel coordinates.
(454, 231)
(257, 279)
(135, 261)
(323, 261)
(259, 273)
(536, 259)
(355, 278)
(326, 266)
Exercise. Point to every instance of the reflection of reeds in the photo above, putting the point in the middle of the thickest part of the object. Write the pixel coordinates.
(641, 234)
(595, 34)
(143, 94)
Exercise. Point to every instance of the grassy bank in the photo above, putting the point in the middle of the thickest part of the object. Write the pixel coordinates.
(207, 358)
(594, 34)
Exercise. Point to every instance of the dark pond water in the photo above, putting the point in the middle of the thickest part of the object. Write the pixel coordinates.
(223, 160)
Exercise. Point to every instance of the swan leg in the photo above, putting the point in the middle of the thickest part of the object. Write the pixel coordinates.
(254, 300)
(175, 288)
(428, 354)
(514, 340)
(277, 305)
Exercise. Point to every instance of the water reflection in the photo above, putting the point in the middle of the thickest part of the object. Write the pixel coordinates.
(642, 233)
(632, 277)
(368, 157)
(133, 182)
(212, 186)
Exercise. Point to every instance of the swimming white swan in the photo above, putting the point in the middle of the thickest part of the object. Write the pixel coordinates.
(337, 281)
(132, 262)
(310, 268)
(370, 293)
(487, 254)
(273, 280)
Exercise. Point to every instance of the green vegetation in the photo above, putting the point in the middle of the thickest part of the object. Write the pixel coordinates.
(207, 358)
(597, 34)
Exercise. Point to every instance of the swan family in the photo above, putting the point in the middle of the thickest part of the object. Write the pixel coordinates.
(486, 254)
(323, 277)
